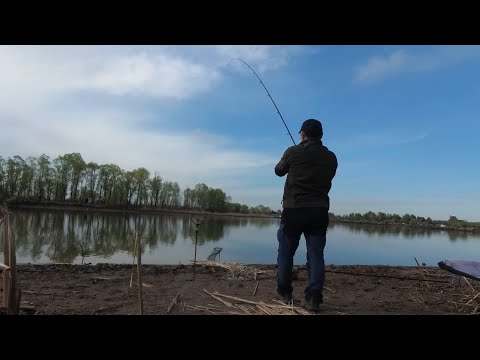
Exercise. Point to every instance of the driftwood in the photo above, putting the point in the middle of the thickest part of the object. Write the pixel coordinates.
(226, 303)
(249, 307)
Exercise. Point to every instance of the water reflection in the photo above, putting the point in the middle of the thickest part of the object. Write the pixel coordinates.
(404, 231)
(75, 237)
(459, 235)
(64, 236)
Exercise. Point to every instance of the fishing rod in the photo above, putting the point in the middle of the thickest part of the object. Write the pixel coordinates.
(270, 96)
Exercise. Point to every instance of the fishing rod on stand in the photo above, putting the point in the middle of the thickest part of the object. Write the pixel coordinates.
(197, 220)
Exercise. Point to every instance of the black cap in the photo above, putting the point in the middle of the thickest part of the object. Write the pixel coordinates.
(312, 128)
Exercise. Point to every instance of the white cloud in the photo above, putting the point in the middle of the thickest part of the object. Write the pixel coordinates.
(31, 75)
(428, 58)
(38, 72)
(378, 67)
(152, 75)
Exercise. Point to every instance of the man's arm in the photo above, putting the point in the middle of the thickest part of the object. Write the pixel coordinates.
(283, 165)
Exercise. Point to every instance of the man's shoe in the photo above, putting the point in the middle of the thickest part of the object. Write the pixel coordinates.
(285, 297)
(312, 303)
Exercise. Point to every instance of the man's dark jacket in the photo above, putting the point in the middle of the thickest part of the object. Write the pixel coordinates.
(310, 167)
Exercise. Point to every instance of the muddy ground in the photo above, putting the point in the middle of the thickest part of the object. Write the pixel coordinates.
(104, 289)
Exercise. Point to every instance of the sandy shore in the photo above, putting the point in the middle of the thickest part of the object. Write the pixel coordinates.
(104, 289)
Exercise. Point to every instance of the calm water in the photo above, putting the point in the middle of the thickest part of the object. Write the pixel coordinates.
(73, 237)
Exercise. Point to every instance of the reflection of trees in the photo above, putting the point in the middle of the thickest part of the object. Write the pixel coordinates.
(162, 228)
(56, 232)
(111, 235)
(64, 236)
(210, 231)
(262, 222)
(235, 221)
(457, 235)
(407, 232)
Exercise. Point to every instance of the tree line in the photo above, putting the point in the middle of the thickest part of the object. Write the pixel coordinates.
(70, 179)
(407, 219)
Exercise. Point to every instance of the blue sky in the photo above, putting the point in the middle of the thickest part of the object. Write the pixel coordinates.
(402, 120)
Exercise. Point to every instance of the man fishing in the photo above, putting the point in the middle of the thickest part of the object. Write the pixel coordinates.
(310, 167)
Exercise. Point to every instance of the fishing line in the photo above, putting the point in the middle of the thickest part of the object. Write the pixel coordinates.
(270, 96)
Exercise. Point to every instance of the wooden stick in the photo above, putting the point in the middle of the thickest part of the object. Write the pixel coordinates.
(244, 308)
(174, 301)
(473, 298)
(213, 305)
(226, 303)
(210, 311)
(263, 309)
(13, 301)
(36, 293)
(6, 252)
(256, 287)
(237, 299)
(101, 278)
(19, 296)
(139, 271)
(252, 302)
(471, 287)
(468, 304)
(103, 309)
(133, 263)
(281, 304)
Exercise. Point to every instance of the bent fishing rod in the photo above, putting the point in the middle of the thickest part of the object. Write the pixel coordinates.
(270, 96)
